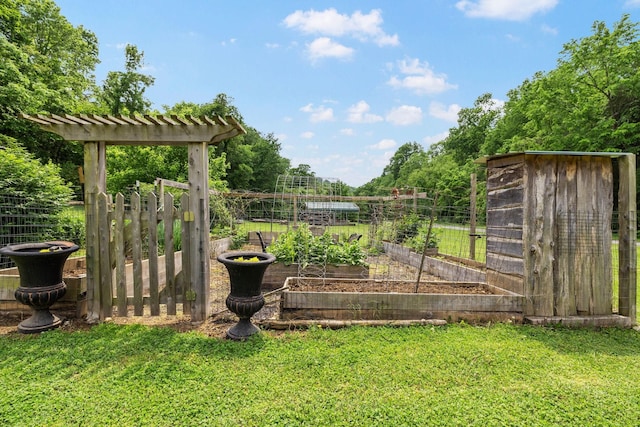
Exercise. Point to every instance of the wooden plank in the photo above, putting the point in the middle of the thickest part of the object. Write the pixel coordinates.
(505, 264)
(120, 258)
(186, 254)
(564, 287)
(170, 287)
(500, 246)
(136, 253)
(104, 233)
(602, 202)
(514, 233)
(543, 175)
(584, 218)
(508, 217)
(627, 237)
(381, 302)
(505, 197)
(154, 293)
(505, 161)
(504, 177)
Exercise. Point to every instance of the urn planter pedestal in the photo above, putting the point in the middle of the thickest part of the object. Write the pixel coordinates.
(40, 266)
(246, 270)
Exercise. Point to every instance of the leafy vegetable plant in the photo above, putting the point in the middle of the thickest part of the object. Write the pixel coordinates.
(300, 246)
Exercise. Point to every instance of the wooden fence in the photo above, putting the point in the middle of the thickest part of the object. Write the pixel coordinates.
(141, 278)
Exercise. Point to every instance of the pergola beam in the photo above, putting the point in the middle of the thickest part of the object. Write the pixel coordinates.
(137, 130)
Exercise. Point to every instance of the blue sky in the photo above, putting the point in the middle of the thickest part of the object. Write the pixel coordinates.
(341, 84)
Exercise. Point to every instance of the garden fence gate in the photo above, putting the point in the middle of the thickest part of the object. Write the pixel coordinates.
(136, 245)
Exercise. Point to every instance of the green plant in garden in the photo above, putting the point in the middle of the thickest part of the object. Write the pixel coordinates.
(300, 246)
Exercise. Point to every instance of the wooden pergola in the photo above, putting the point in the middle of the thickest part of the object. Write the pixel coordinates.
(97, 132)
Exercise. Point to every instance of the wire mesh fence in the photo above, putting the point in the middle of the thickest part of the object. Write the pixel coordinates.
(24, 220)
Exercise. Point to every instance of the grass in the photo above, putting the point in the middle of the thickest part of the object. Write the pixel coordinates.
(438, 376)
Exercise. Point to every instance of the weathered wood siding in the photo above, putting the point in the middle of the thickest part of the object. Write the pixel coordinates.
(505, 219)
(549, 231)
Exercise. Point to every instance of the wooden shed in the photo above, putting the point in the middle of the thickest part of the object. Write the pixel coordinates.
(550, 217)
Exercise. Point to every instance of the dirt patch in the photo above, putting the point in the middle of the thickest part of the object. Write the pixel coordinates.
(392, 287)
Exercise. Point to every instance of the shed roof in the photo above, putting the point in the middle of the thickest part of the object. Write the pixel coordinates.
(484, 159)
(332, 206)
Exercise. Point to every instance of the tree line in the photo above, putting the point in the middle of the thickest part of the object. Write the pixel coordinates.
(589, 102)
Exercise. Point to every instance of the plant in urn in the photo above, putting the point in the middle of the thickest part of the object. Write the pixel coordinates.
(246, 270)
(40, 268)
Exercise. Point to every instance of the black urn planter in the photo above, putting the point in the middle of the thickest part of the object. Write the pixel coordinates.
(246, 270)
(40, 268)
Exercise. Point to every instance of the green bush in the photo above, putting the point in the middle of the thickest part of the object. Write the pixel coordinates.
(300, 246)
(71, 226)
(35, 197)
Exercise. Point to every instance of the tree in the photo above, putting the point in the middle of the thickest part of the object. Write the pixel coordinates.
(302, 169)
(474, 124)
(267, 164)
(47, 66)
(123, 92)
(399, 158)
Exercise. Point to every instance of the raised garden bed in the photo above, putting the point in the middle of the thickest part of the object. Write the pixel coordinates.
(352, 299)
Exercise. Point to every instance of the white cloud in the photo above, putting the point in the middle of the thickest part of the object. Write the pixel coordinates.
(363, 27)
(307, 135)
(510, 10)
(226, 42)
(324, 47)
(441, 111)
(318, 114)
(550, 30)
(272, 45)
(347, 132)
(420, 78)
(632, 3)
(359, 113)
(405, 115)
(384, 144)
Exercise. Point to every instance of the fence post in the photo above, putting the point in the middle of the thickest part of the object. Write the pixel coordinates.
(627, 237)
(472, 219)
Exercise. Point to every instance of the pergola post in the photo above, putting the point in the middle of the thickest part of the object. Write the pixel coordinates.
(95, 183)
(199, 227)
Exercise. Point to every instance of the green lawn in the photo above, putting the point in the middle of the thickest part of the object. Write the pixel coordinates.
(457, 375)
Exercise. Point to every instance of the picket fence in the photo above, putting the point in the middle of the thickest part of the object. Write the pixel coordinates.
(129, 249)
